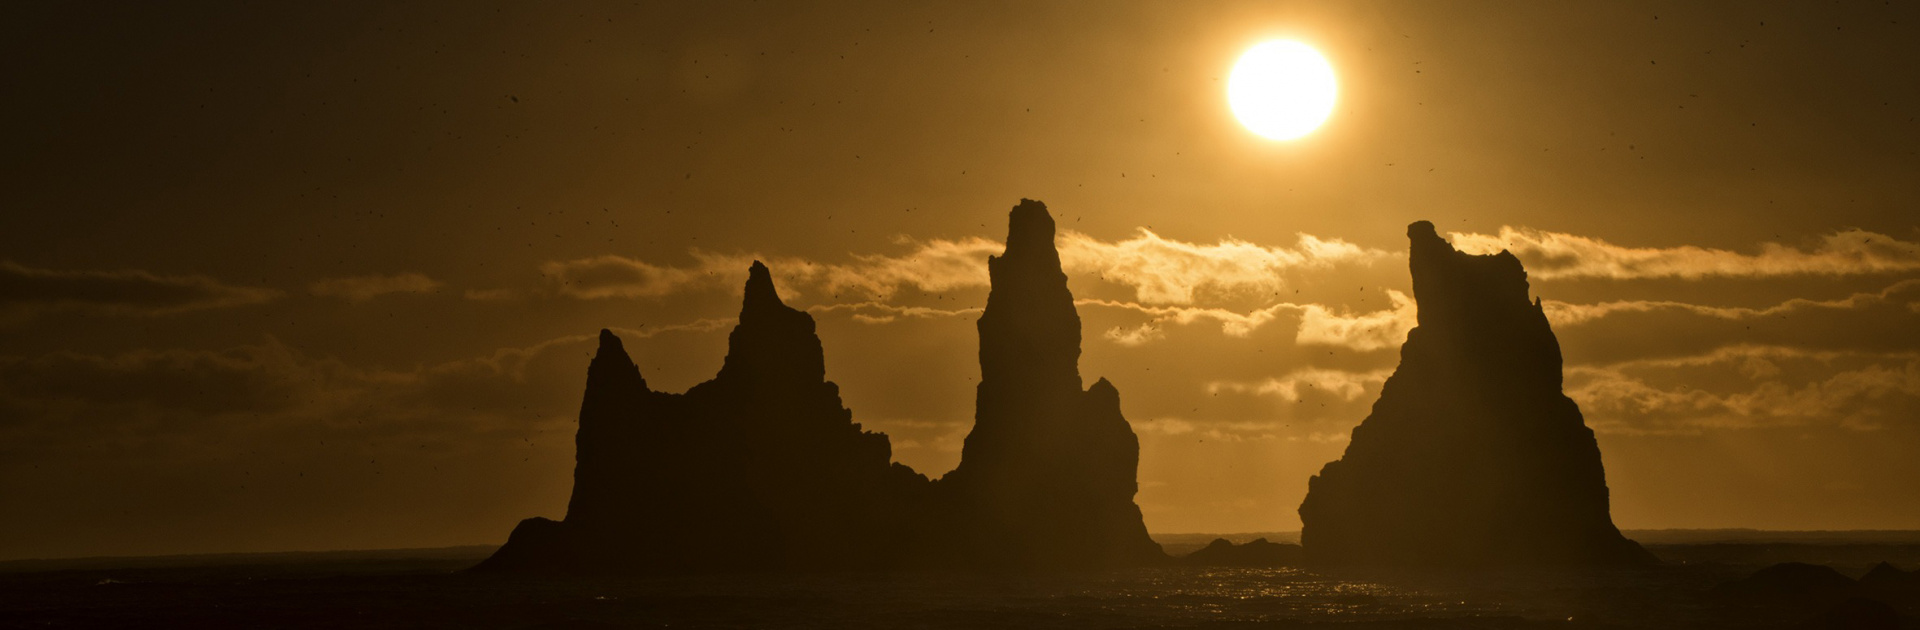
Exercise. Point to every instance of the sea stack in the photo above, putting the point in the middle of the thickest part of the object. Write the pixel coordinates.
(763, 469)
(1472, 456)
(1047, 476)
(760, 468)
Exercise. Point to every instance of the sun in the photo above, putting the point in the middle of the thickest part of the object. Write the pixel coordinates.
(1282, 89)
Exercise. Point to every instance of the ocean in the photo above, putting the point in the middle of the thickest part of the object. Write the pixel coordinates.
(425, 588)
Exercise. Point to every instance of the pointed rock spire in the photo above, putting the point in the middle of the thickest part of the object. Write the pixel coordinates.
(611, 363)
(773, 340)
(761, 297)
(614, 388)
(1030, 331)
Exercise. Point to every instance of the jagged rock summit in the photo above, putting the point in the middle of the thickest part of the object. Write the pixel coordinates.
(1472, 456)
(1047, 475)
(762, 468)
(759, 468)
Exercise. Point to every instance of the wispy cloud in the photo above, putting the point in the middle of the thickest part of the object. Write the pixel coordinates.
(1568, 314)
(1373, 330)
(603, 277)
(1138, 335)
(1233, 323)
(1557, 255)
(1179, 283)
(1167, 271)
(263, 381)
(932, 266)
(1294, 385)
(1319, 324)
(1325, 325)
(1747, 386)
(1217, 430)
(27, 289)
(364, 288)
(1159, 270)
(881, 313)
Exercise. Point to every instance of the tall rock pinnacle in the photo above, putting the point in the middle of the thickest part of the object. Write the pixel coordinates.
(1472, 455)
(1047, 476)
(614, 389)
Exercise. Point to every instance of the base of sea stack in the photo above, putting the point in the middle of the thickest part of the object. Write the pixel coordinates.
(537, 545)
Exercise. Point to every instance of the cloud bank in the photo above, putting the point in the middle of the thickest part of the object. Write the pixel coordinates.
(132, 292)
(1557, 255)
(364, 288)
(1157, 269)
(1748, 387)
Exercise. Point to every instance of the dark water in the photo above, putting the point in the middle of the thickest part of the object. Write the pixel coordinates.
(398, 589)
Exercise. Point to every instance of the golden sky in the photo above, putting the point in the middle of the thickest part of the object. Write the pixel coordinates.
(328, 276)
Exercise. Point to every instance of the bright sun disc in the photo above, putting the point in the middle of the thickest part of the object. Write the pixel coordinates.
(1281, 89)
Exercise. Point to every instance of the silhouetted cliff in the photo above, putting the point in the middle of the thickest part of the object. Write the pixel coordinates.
(1472, 455)
(1047, 476)
(759, 468)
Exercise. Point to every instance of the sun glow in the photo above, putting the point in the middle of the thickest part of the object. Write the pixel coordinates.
(1282, 89)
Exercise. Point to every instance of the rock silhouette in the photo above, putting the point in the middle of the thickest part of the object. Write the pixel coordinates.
(1254, 553)
(1791, 580)
(1840, 601)
(1888, 577)
(759, 468)
(1472, 456)
(762, 468)
(1047, 476)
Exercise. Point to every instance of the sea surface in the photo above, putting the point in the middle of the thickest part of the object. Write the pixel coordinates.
(426, 588)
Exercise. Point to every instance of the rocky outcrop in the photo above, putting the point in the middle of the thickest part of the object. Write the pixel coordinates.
(1047, 475)
(1253, 553)
(1791, 581)
(762, 468)
(1888, 577)
(1472, 456)
(759, 468)
(1790, 589)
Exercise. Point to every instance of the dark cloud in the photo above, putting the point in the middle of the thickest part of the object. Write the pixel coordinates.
(27, 289)
(1555, 255)
(1878, 321)
(270, 382)
(1748, 387)
(1157, 270)
(260, 378)
(363, 288)
(262, 433)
